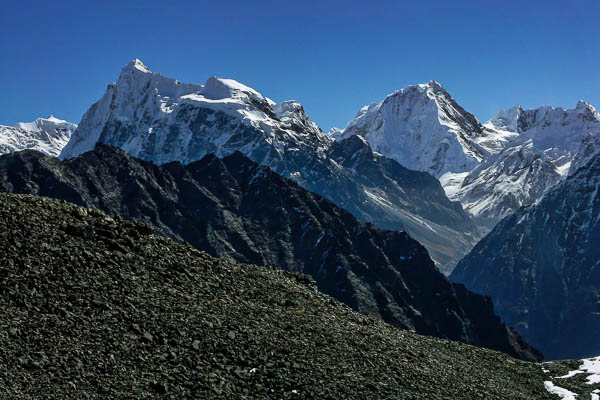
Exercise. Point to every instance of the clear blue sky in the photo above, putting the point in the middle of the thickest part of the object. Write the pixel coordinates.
(332, 56)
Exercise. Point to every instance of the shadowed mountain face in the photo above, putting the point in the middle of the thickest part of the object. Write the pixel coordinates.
(234, 208)
(540, 266)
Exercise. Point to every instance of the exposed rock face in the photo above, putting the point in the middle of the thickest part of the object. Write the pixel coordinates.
(235, 208)
(160, 119)
(540, 266)
(48, 135)
(93, 306)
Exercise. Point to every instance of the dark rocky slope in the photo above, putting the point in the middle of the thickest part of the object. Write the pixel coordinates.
(95, 307)
(397, 198)
(540, 266)
(232, 207)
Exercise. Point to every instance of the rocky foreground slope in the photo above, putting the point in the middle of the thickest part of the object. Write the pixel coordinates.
(234, 208)
(95, 307)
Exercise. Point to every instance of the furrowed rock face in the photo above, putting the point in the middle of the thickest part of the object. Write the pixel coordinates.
(48, 135)
(95, 306)
(402, 199)
(161, 120)
(235, 208)
(539, 265)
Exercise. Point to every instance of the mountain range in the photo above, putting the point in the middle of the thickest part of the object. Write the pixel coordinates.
(492, 169)
(237, 209)
(159, 119)
(416, 163)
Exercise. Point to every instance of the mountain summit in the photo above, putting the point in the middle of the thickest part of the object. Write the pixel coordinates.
(161, 119)
(48, 135)
(424, 128)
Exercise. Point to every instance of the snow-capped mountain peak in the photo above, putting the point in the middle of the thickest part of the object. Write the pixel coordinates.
(48, 135)
(335, 132)
(292, 113)
(51, 126)
(506, 120)
(587, 110)
(423, 128)
(138, 65)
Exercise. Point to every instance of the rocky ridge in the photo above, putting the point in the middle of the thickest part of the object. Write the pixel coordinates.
(234, 208)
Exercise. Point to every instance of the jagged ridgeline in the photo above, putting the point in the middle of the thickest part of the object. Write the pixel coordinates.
(232, 207)
(92, 306)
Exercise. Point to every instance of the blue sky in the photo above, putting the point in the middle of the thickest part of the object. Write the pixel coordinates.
(332, 56)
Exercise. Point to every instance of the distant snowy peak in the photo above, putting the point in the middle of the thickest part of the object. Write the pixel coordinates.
(161, 119)
(557, 131)
(547, 145)
(292, 113)
(137, 64)
(51, 126)
(335, 132)
(424, 128)
(517, 119)
(47, 135)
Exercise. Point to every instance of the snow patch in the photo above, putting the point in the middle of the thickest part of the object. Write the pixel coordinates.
(561, 392)
(589, 366)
